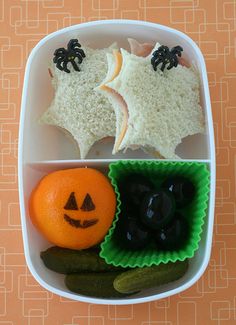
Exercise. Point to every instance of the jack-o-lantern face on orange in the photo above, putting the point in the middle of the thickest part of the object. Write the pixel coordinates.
(73, 208)
(87, 205)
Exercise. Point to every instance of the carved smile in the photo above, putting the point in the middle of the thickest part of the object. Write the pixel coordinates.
(77, 223)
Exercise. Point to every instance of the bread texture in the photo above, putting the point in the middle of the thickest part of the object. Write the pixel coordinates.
(163, 107)
(84, 113)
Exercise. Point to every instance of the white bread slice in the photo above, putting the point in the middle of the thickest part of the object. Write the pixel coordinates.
(163, 107)
(115, 99)
(85, 114)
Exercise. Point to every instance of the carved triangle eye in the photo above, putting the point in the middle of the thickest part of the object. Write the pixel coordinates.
(88, 204)
(71, 204)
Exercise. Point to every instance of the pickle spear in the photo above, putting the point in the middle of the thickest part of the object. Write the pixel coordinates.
(147, 277)
(66, 261)
(93, 284)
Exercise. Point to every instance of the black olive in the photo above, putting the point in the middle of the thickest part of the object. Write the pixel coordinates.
(157, 209)
(131, 234)
(182, 189)
(174, 235)
(132, 190)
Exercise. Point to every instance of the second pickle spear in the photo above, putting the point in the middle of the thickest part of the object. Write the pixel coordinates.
(93, 284)
(148, 277)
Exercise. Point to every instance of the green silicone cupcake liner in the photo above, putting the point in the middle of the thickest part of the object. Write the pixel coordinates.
(157, 171)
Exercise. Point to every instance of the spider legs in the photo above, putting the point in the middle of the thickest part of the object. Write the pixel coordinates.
(78, 56)
(163, 66)
(64, 64)
(155, 63)
(79, 52)
(75, 66)
(58, 64)
(177, 50)
(173, 63)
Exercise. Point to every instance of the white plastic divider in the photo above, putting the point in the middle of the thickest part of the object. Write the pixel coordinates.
(102, 162)
(36, 170)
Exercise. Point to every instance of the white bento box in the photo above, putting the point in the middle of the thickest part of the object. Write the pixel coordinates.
(43, 149)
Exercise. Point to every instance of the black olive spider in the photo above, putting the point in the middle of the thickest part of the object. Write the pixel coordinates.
(166, 56)
(63, 56)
